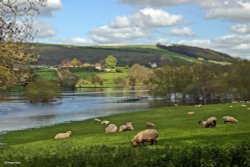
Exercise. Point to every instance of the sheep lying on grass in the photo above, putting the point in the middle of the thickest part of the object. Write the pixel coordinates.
(229, 119)
(63, 135)
(198, 106)
(127, 127)
(150, 124)
(97, 120)
(209, 123)
(111, 128)
(149, 135)
(105, 122)
(190, 113)
(130, 126)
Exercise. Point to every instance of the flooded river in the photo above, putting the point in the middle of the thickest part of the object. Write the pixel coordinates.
(16, 113)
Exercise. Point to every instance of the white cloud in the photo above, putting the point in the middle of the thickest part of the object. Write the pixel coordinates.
(138, 25)
(147, 18)
(77, 41)
(233, 10)
(43, 30)
(50, 7)
(157, 3)
(241, 28)
(238, 12)
(108, 34)
(234, 45)
(182, 32)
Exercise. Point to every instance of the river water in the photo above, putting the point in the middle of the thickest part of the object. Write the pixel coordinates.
(16, 113)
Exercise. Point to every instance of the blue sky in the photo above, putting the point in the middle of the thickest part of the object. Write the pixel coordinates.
(222, 25)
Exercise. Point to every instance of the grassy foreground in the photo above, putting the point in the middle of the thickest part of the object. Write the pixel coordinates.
(177, 129)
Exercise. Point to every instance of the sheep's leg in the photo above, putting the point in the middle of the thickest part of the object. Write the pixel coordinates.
(152, 141)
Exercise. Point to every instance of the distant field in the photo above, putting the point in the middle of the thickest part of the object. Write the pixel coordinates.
(49, 74)
(108, 78)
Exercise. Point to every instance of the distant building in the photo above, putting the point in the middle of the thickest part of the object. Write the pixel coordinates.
(98, 66)
(153, 65)
(110, 70)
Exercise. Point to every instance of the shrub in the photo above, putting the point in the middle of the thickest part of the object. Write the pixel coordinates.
(120, 81)
(41, 90)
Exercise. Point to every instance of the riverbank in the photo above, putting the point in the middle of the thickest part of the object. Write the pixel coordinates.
(176, 127)
(181, 141)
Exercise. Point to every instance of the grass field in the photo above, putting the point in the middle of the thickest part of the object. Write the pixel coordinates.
(182, 141)
(108, 78)
(175, 127)
(44, 73)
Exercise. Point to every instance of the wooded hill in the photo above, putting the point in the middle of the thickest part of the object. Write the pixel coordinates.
(130, 54)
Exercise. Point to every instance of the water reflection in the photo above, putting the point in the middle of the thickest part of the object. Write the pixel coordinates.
(16, 113)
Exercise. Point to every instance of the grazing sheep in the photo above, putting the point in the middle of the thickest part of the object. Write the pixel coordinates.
(130, 126)
(209, 123)
(248, 108)
(190, 113)
(111, 128)
(105, 122)
(235, 102)
(97, 120)
(176, 105)
(63, 135)
(230, 106)
(229, 119)
(243, 105)
(150, 124)
(149, 135)
(198, 106)
(123, 128)
(127, 127)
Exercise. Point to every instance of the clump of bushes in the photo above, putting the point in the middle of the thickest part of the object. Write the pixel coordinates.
(71, 155)
(40, 90)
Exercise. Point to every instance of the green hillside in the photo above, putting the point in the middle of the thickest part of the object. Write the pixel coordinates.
(126, 55)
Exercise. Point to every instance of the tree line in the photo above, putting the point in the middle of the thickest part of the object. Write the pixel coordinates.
(201, 82)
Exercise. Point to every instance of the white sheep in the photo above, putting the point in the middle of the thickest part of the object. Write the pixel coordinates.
(97, 120)
(105, 122)
(150, 124)
(229, 119)
(123, 128)
(127, 127)
(63, 135)
(190, 113)
(149, 135)
(243, 105)
(248, 109)
(198, 106)
(130, 126)
(111, 128)
(209, 123)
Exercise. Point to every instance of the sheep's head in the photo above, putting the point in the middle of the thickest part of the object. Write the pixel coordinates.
(69, 132)
(133, 143)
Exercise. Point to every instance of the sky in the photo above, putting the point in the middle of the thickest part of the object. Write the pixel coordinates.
(221, 25)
